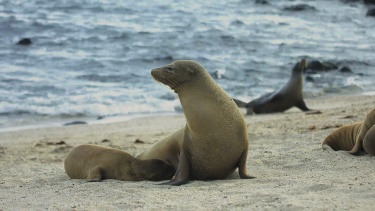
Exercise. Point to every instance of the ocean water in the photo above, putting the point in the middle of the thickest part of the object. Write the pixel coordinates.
(92, 58)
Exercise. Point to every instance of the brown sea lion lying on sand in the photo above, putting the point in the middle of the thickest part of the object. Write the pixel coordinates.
(95, 163)
(354, 138)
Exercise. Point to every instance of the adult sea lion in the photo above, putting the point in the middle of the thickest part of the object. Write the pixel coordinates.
(214, 141)
(354, 138)
(285, 98)
(96, 163)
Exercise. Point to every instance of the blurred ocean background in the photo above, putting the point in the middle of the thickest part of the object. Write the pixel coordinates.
(91, 59)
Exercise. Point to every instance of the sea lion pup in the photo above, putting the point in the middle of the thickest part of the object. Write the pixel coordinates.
(285, 98)
(354, 138)
(214, 141)
(95, 163)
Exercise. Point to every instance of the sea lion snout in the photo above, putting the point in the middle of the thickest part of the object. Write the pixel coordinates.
(158, 75)
(154, 73)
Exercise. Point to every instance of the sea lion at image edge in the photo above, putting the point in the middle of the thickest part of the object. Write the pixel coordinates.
(214, 141)
(285, 98)
(354, 138)
(369, 141)
(95, 163)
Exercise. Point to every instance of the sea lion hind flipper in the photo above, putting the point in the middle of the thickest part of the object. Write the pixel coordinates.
(242, 167)
(95, 175)
(183, 172)
(357, 148)
(240, 103)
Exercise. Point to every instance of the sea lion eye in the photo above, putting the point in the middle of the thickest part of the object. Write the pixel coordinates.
(169, 69)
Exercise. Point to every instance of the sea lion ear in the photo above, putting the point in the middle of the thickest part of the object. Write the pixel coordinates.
(190, 71)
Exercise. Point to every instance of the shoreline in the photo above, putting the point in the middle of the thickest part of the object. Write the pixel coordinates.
(69, 121)
(61, 121)
(292, 170)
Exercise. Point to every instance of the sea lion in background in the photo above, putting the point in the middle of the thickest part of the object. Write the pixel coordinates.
(214, 141)
(354, 138)
(285, 98)
(96, 163)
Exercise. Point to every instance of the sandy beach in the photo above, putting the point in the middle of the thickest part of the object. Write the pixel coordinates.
(292, 170)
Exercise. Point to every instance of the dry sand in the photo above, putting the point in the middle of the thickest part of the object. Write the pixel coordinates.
(285, 154)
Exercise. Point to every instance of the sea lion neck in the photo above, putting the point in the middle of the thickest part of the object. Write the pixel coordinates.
(201, 100)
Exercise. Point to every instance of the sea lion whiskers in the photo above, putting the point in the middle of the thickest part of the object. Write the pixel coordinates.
(176, 87)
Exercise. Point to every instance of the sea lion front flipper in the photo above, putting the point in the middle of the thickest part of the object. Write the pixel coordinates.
(357, 148)
(302, 106)
(183, 171)
(242, 167)
(95, 175)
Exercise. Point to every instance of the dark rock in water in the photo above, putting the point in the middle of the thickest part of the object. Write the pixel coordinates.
(261, 2)
(299, 7)
(168, 96)
(351, 1)
(178, 109)
(371, 12)
(237, 22)
(218, 74)
(369, 1)
(316, 65)
(24, 41)
(75, 123)
(167, 58)
(309, 79)
(346, 70)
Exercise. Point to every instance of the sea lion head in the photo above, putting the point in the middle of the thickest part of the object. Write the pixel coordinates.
(176, 74)
(299, 67)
